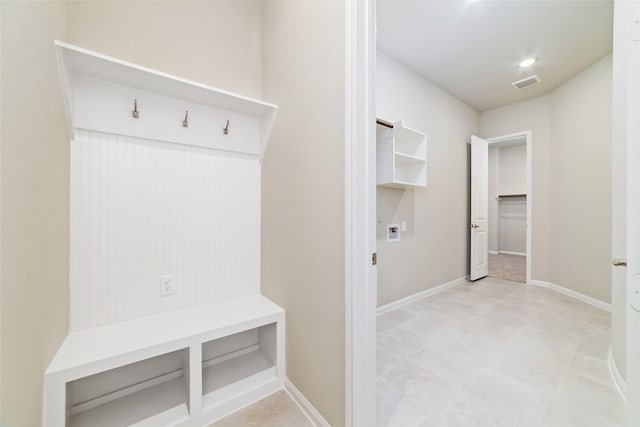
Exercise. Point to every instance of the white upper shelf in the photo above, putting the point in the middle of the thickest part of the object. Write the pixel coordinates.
(89, 76)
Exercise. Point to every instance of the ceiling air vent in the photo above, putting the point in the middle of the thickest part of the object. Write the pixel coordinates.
(527, 82)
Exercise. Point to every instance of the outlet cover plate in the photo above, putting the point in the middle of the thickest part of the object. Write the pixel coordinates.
(167, 285)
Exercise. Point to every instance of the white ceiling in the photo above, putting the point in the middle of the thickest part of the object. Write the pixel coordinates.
(471, 48)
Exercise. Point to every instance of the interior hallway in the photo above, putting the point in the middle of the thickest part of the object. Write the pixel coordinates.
(508, 267)
(496, 353)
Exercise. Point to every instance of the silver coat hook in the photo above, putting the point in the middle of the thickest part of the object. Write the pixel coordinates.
(135, 113)
(226, 129)
(185, 122)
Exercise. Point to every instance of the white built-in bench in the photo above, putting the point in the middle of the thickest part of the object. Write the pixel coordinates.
(184, 368)
(165, 183)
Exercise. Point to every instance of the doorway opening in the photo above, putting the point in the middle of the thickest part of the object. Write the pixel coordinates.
(509, 207)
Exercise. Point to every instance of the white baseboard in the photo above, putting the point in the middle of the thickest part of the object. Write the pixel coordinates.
(312, 413)
(573, 294)
(619, 382)
(418, 296)
(512, 253)
(494, 252)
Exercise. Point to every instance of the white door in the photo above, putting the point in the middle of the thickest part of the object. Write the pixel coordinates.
(631, 50)
(479, 262)
(619, 200)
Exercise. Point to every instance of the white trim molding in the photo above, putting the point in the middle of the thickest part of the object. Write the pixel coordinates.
(394, 305)
(360, 208)
(618, 381)
(494, 252)
(512, 253)
(309, 410)
(573, 294)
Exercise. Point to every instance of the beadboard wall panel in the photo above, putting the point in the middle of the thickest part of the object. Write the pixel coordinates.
(141, 209)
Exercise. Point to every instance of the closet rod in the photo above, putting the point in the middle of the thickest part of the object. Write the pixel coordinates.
(500, 196)
(384, 123)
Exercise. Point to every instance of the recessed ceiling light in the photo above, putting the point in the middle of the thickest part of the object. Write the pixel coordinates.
(527, 62)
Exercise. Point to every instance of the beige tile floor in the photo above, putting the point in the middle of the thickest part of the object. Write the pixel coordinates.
(508, 267)
(496, 353)
(491, 353)
(276, 410)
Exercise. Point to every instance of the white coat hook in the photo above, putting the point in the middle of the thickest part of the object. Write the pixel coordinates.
(185, 122)
(135, 113)
(226, 129)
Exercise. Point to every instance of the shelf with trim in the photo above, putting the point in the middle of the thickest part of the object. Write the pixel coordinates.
(101, 93)
(401, 156)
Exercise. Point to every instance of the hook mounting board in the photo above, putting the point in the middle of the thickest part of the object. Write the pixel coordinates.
(98, 90)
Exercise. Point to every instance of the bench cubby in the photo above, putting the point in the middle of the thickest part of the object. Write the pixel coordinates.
(183, 368)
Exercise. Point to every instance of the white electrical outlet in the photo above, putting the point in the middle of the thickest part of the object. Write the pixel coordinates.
(166, 285)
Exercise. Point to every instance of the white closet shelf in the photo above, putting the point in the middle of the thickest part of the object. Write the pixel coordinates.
(407, 158)
(401, 156)
(83, 61)
(510, 195)
(99, 93)
(400, 185)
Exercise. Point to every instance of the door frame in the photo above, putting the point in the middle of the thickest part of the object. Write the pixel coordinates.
(360, 208)
(529, 139)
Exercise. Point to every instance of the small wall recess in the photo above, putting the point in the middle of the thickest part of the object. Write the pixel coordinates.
(393, 233)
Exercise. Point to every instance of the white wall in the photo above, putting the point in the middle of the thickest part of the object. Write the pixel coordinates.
(571, 129)
(533, 114)
(512, 173)
(512, 226)
(218, 43)
(303, 249)
(434, 249)
(35, 205)
(493, 202)
(581, 182)
(214, 42)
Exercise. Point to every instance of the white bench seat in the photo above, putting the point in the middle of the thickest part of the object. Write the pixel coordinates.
(231, 380)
